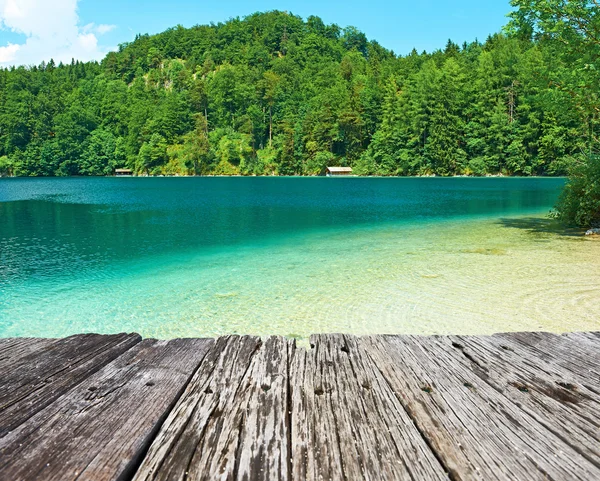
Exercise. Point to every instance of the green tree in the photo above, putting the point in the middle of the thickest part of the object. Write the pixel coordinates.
(274, 94)
(152, 155)
(101, 154)
(6, 166)
(269, 85)
(572, 30)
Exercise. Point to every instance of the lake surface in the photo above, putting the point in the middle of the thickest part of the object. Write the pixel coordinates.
(177, 257)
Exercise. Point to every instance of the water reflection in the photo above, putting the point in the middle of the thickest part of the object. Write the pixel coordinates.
(57, 227)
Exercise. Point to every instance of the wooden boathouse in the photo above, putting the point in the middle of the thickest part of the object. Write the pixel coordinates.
(521, 406)
(337, 171)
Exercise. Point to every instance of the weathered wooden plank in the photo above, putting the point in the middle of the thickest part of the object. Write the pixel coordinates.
(262, 450)
(546, 392)
(13, 349)
(592, 338)
(513, 406)
(101, 428)
(580, 358)
(537, 361)
(32, 382)
(346, 407)
(342, 406)
(476, 432)
(200, 437)
(315, 450)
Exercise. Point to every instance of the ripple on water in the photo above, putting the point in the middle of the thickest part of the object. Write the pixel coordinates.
(471, 277)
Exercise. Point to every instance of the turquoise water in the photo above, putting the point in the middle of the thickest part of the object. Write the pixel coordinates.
(173, 257)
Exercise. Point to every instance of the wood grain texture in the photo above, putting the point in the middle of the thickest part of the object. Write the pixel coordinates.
(31, 382)
(590, 342)
(263, 450)
(502, 407)
(476, 432)
(201, 436)
(590, 337)
(315, 450)
(102, 427)
(13, 349)
(346, 421)
(546, 392)
(580, 358)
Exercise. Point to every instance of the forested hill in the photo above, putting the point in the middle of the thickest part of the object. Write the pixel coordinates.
(275, 94)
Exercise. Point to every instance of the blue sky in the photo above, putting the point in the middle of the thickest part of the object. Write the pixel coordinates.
(35, 30)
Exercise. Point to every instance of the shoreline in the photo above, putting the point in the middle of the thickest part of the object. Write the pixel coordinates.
(292, 177)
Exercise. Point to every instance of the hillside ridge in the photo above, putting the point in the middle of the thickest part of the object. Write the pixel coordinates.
(274, 94)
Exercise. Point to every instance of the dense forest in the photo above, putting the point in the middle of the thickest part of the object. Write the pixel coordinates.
(273, 94)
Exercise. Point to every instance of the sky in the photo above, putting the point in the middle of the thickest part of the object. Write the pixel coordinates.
(32, 31)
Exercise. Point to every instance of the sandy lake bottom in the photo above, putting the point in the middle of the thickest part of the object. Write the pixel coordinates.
(509, 269)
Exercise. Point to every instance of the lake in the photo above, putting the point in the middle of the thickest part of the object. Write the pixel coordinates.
(180, 257)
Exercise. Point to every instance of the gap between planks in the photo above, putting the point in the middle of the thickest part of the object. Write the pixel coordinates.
(341, 410)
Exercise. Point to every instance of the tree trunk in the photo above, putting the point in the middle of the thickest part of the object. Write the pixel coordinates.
(270, 126)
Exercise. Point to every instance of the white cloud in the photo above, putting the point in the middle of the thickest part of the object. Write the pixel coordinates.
(102, 29)
(99, 29)
(8, 53)
(51, 29)
(88, 42)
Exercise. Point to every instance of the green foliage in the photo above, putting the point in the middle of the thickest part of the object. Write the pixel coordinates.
(232, 152)
(579, 203)
(152, 155)
(318, 163)
(6, 167)
(101, 154)
(571, 30)
(273, 94)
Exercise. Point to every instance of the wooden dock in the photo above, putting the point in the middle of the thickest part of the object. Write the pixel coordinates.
(522, 406)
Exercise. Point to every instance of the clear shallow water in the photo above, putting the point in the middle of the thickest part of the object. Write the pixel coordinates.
(173, 257)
